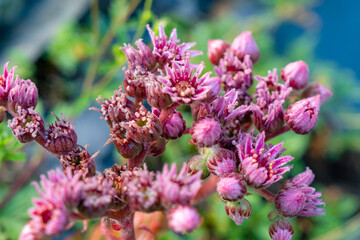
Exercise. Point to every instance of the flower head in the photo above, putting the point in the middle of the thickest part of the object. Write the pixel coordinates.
(216, 50)
(206, 132)
(238, 211)
(295, 74)
(24, 94)
(244, 44)
(155, 96)
(221, 162)
(6, 83)
(183, 219)
(231, 187)
(261, 165)
(174, 126)
(281, 229)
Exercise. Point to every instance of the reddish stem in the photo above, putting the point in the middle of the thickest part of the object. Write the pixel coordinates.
(125, 216)
(281, 131)
(138, 160)
(269, 196)
(167, 112)
(207, 188)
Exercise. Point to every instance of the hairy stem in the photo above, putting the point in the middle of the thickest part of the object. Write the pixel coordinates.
(269, 196)
(207, 188)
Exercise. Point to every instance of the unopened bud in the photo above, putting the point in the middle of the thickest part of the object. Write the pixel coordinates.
(244, 44)
(295, 74)
(216, 50)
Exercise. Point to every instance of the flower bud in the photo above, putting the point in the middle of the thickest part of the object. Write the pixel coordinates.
(232, 187)
(60, 137)
(295, 74)
(155, 96)
(302, 116)
(221, 162)
(157, 147)
(174, 126)
(244, 44)
(198, 163)
(79, 160)
(183, 219)
(290, 202)
(6, 83)
(317, 89)
(238, 211)
(24, 94)
(127, 147)
(134, 86)
(281, 229)
(216, 50)
(206, 132)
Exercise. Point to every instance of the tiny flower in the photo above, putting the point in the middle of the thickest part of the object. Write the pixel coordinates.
(170, 49)
(27, 125)
(157, 147)
(304, 198)
(272, 120)
(206, 132)
(317, 89)
(302, 116)
(60, 137)
(186, 86)
(155, 96)
(174, 126)
(24, 94)
(238, 211)
(295, 74)
(281, 229)
(138, 188)
(196, 164)
(97, 197)
(176, 188)
(244, 44)
(232, 187)
(6, 83)
(260, 164)
(221, 162)
(216, 50)
(183, 219)
(79, 160)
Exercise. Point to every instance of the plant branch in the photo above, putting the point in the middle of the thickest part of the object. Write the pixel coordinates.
(207, 188)
(269, 196)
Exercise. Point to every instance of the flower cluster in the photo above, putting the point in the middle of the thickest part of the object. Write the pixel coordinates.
(233, 118)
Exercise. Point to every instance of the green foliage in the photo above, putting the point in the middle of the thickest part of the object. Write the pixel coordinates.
(10, 147)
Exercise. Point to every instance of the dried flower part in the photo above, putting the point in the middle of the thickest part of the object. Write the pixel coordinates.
(221, 162)
(281, 229)
(98, 197)
(27, 125)
(174, 126)
(127, 147)
(238, 211)
(216, 50)
(184, 84)
(261, 165)
(183, 219)
(155, 96)
(79, 160)
(272, 121)
(157, 147)
(197, 164)
(176, 188)
(167, 50)
(302, 116)
(305, 199)
(139, 190)
(317, 89)
(295, 74)
(119, 108)
(24, 94)
(232, 187)
(244, 44)
(235, 73)
(206, 132)
(144, 128)
(6, 83)
(60, 137)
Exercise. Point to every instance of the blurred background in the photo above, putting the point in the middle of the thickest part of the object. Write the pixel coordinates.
(70, 49)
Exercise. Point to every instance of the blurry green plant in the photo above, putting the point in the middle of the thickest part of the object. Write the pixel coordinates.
(10, 147)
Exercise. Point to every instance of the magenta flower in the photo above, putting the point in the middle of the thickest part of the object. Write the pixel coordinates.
(302, 116)
(186, 86)
(183, 219)
(281, 229)
(260, 164)
(231, 187)
(6, 83)
(206, 132)
(142, 56)
(295, 74)
(244, 44)
(170, 49)
(221, 162)
(304, 198)
(216, 50)
(24, 94)
(177, 188)
(238, 211)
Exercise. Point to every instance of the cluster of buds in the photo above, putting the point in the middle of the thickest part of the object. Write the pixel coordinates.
(233, 117)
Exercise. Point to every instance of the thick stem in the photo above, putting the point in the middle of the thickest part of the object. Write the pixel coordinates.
(281, 131)
(167, 112)
(269, 196)
(207, 188)
(138, 160)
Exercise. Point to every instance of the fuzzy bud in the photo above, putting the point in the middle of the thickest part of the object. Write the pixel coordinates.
(206, 132)
(290, 202)
(232, 187)
(198, 163)
(302, 116)
(281, 229)
(155, 96)
(216, 50)
(24, 94)
(238, 211)
(221, 162)
(174, 126)
(183, 219)
(244, 44)
(295, 74)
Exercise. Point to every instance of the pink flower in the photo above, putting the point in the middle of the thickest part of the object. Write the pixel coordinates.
(216, 50)
(174, 126)
(186, 86)
(281, 229)
(183, 219)
(232, 187)
(24, 94)
(238, 211)
(206, 132)
(221, 162)
(261, 165)
(6, 83)
(295, 74)
(244, 44)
